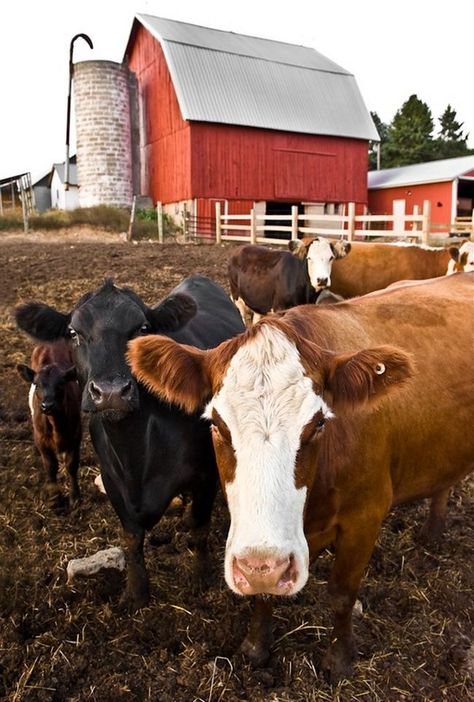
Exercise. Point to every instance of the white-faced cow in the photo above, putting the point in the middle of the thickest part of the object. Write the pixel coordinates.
(55, 406)
(323, 419)
(374, 266)
(264, 280)
(149, 451)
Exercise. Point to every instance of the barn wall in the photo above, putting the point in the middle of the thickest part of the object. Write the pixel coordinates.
(165, 135)
(439, 194)
(255, 164)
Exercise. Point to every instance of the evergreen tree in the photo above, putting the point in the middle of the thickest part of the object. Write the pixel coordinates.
(409, 135)
(451, 141)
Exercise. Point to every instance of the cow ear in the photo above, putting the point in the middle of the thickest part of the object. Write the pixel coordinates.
(25, 372)
(297, 248)
(42, 322)
(454, 253)
(173, 313)
(353, 379)
(340, 249)
(70, 374)
(174, 372)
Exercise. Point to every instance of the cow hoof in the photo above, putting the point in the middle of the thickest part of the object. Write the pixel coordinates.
(430, 535)
(257, 654)
(336, 666)
(132, 602)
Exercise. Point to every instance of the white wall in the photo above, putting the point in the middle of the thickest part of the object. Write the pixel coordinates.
(60, 198)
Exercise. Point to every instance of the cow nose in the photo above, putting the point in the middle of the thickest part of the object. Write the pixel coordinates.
(111, 395)
(322, 282)
(274, 576)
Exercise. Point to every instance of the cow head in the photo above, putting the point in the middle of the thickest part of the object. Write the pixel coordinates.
(462, 258)
(49, 383)
(271, 396)
(98, 330)
(319, 254)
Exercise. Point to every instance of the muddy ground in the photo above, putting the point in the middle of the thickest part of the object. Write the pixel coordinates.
(72, 644)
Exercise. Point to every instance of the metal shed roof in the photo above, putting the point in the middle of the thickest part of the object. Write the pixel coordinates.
(235, 79)
(431, 172)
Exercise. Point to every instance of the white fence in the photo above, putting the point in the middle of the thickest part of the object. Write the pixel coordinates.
(252, 227)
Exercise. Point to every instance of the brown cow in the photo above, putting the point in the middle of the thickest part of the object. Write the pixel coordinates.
(264, 280)
(323, 420)
(55, 405)
(373, 266)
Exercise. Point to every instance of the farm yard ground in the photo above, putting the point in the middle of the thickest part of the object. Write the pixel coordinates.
(67, 644)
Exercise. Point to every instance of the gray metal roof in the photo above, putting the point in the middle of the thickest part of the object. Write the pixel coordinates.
(248, 81)
(431, 172)
(60, 169)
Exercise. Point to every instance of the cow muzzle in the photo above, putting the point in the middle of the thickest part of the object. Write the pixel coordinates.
(118, 396)
(265, 575)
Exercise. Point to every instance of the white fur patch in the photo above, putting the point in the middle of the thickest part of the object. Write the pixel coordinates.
(266, 400)
(31, 395)
(320, 258)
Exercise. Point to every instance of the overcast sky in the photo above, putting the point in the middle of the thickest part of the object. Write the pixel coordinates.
(394, 49)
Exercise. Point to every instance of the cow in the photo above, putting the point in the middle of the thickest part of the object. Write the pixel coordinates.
(149, 451)
(55, 406)
(264, 280)
(373, 266)
(323, 419)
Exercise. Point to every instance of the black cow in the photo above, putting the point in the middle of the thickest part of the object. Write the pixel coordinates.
(149, 450)
(264, 280)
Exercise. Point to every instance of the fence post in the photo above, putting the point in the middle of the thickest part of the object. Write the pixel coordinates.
(294, 222)
(425, 227)
(159, 219)
(253, 226)
(351, 213)
(132, 219)
(218, 223)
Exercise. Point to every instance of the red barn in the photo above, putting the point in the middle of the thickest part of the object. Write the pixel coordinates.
(448, 184)
(247, 121)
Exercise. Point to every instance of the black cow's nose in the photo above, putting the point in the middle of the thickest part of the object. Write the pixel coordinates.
(111, 395)
(47, 407)
(322, 282)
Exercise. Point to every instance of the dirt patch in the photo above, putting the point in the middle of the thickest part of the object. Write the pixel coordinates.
(72, 644)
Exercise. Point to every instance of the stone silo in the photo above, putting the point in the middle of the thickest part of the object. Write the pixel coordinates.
(103, 133)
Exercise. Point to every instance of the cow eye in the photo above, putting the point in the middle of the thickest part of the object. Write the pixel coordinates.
(74, 336)
(145, 328)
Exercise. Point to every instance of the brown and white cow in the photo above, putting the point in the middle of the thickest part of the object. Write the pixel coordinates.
(264, 280)
(323, 419)
(373, 266)
(55, 406)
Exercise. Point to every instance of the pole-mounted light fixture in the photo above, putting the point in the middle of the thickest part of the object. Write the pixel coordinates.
(88, 40)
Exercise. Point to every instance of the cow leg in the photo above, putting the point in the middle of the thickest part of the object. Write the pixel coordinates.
(137, 592)
(72, 467)
(353, 550)
(433, 528)
(245, 311)
(50, 466)
(258, 642)
(200, 518)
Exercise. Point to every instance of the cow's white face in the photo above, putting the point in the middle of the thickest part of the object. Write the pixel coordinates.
(320, 257)
(259, 414)
(467, 255)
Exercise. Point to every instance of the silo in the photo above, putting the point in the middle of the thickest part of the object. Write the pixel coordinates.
(103, 133)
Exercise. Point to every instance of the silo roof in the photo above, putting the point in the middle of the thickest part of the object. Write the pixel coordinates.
(248, 81)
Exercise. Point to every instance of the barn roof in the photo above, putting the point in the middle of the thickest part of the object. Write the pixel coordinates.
(431, 172)
(242, 80)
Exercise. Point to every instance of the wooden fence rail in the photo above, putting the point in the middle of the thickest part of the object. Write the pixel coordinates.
(252, 227)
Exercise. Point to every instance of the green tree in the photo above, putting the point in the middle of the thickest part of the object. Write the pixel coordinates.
(409, 138)
(451, 141)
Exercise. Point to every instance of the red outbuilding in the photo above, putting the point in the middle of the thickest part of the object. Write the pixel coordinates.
(447, 184)
(248, 121)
